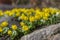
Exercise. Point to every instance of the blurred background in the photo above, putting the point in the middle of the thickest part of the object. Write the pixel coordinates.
(33, 3)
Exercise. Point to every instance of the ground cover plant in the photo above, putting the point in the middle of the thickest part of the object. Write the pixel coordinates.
(28, 20)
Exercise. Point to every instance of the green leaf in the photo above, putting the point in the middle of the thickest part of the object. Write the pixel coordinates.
(19, 30)
(14, 15)
(5, 30)
(27, 32)
(14, 34)
(18, 18)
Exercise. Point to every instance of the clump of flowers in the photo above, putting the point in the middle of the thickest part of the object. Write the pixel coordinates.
(28, 20)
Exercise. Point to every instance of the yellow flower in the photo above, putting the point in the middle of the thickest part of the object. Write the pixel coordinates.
(22, 23)
(46, 10)
(45, 18)
(25, 28)
(11, 14)
(17, 14)
(37, 11)
(37, 16)
(4, 24)
(23, 10)
(25, 18)
(32, 19)
(31, 10)
(22, 16)
(1, 29)
(53, 10)
(15, 10)
(29, 13)
(7, 12)
(46, 14)
(19, 9)
(9, 32)
(1, 14)
(14, 27)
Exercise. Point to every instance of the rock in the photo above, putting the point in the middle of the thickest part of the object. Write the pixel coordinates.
(43, 34)
(55, 37)
(10, 21)
(5, 19)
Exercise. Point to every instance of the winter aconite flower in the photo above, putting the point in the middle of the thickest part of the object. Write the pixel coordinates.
(25, 28)
(14, 27)
(37, 17)
(18, 14)
(1, 29)
(25, 18)
(22, 23)
(45, 18)
(31, 19)
(9, 32)
(1, 13)
(4, 24)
